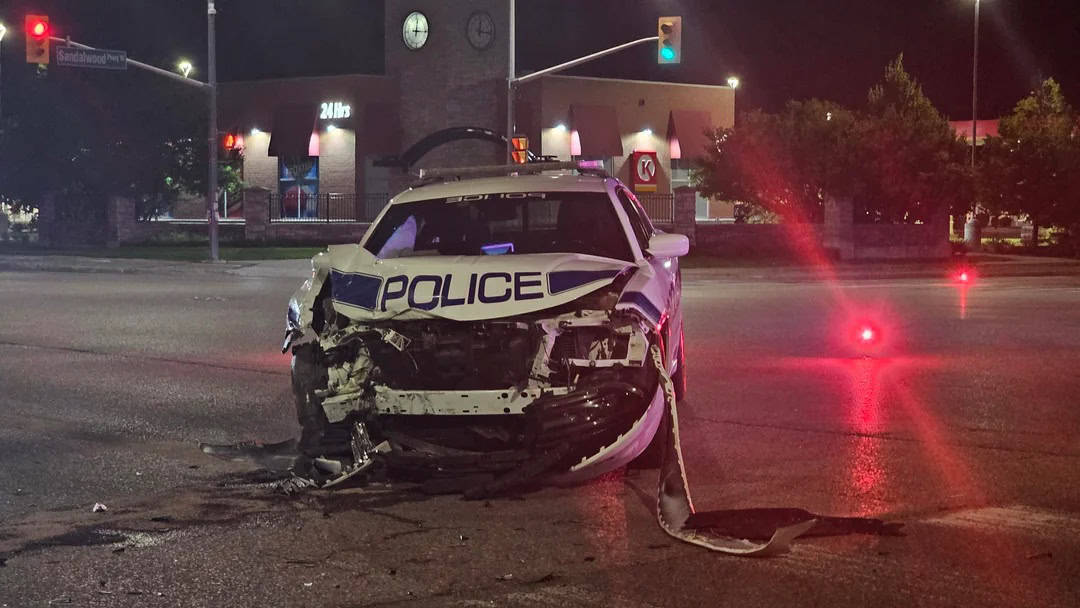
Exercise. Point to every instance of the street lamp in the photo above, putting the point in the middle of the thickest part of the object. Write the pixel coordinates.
(975, 85)
(184, 68)
(972, 236)
(733, 82)
(3, 30)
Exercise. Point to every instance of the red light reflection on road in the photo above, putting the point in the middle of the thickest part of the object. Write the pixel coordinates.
(865, 415)
(867, 473)
(964, 279)
(605, 525)
(955, 472)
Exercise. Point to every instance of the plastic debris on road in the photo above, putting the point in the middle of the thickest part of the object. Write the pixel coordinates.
(98, 508)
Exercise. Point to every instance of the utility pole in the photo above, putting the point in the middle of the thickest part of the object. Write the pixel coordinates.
(212, 181)
(511, 74)
(975, 85)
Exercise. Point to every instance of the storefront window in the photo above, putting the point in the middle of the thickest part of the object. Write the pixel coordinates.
(298, 185)
(680, 177)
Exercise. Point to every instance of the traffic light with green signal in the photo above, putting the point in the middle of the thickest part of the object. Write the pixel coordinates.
(669, 46)
(37, 39)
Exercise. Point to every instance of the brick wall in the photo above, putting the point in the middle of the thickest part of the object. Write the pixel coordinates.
(869, 241)
(448, 83)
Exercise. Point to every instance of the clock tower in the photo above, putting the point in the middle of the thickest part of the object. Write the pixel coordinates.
(450, 60)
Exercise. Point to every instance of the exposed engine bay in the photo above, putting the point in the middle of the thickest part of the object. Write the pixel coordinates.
(506, 401)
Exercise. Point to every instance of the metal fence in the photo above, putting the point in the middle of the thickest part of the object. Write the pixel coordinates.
(326, 207)
(659, 207)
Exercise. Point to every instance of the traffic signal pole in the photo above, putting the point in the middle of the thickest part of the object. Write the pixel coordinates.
(212, 183)
(513, 81)
(512, 38)
(580, 60)
(212, 143)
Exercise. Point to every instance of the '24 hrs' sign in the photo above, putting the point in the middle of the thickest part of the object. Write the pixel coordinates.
(334, 109)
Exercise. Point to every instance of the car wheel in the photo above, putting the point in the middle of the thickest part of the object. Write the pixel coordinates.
(309, 375)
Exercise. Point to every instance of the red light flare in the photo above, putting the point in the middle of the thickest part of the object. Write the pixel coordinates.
(39, 29)
(964, 278)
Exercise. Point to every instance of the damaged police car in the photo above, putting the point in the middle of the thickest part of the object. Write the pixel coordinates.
(510, 325)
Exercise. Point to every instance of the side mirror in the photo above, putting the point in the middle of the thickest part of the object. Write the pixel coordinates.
(668, 245)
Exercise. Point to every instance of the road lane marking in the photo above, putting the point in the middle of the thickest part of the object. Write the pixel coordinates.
(1017, 518)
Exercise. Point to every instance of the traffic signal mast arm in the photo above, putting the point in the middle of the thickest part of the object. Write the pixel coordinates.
(141, 65)
(580, 60)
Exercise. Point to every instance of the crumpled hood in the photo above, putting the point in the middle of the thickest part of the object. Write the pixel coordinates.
(459, 288)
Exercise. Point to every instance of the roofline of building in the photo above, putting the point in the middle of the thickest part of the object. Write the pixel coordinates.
(655, 82)
(294, 78)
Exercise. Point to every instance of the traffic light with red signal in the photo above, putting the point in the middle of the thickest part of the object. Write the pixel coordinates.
(669, 45)
(37, 39)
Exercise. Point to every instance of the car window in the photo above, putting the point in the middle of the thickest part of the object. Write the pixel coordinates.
(641, 232)
(502, 224)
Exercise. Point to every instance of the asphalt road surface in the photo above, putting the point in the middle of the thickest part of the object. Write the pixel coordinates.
(964, 426)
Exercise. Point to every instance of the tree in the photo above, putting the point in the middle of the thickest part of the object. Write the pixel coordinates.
(915, 162)
(82, 137)
(785, 164)
(1033, 167)
(898, 160)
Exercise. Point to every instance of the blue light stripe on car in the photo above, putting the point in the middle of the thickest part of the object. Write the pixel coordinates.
(565, 280)
(355, 289)
(637, 298)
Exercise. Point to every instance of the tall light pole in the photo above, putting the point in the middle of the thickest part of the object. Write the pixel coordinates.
(975, 85)
(511, 75)
(3, 30)
(212, 182)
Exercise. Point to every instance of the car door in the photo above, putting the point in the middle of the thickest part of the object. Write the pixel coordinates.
(661, 284)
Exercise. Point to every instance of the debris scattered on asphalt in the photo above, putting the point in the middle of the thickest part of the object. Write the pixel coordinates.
(505, 577)
(118, 550)
(308, 584)
(98, 508)
(547, 578)
(589, 558)
(161, 518)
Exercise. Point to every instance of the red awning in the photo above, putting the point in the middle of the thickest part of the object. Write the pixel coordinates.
(597, 129)
(291, 132)
(381, 129)
(687, 133)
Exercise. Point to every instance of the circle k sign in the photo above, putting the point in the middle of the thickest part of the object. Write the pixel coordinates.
(643, 177)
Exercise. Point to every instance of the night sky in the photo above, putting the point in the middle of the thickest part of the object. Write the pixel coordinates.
(781, 49)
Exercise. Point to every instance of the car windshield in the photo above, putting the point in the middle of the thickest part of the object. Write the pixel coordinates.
(502, 224)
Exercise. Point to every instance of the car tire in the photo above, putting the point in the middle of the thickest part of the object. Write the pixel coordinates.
(309, 375)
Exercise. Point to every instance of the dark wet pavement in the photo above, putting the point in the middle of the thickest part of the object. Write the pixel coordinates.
(963, 426)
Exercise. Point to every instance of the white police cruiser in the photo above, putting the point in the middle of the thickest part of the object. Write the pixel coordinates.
(505, 325)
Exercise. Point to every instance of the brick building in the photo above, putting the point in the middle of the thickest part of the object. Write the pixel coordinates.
(317, 143)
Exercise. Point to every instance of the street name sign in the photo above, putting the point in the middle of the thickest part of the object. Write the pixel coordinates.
(73, 57)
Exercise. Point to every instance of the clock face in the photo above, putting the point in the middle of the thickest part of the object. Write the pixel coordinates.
(480, 29)
(414, 31)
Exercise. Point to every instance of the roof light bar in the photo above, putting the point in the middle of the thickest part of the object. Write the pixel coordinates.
(595, 167)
